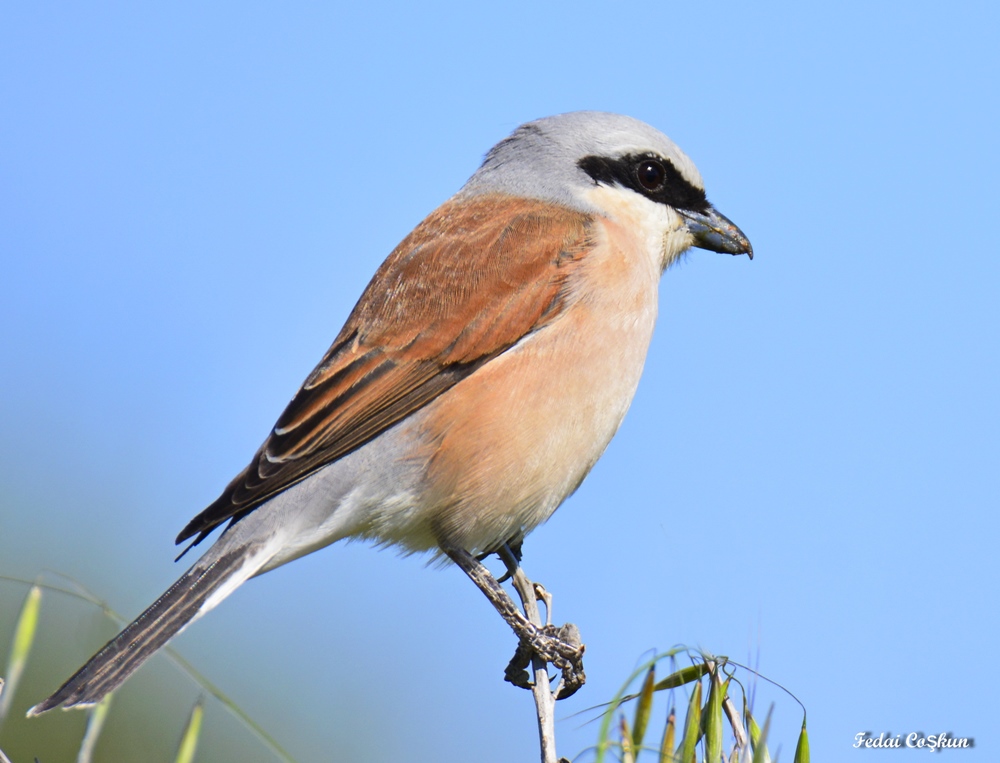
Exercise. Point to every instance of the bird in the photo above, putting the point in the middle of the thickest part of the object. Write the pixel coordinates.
(481, 374)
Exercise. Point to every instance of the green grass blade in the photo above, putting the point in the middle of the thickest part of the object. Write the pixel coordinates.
(692, 727)
(192, 732)
(643, 710)
(669, 731)
(95, 722)
(683, 676)
(713, 719)
(758, 738)
(82, 594)
(802, 748)
(24, 637)
(607, 719)
(230, 705)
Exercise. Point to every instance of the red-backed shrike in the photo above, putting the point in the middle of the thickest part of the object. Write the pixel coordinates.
(481, 375)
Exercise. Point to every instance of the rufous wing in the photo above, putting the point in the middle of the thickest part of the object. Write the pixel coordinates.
(468, 283)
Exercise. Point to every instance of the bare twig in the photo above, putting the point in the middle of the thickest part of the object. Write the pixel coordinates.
(545, 700)
(736, 721)
(538, 643)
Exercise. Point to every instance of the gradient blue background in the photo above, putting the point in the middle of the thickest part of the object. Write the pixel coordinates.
(192, 198)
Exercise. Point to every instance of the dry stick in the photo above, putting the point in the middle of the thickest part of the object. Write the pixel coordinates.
(736, 721)
(508, 610)
(545, 701)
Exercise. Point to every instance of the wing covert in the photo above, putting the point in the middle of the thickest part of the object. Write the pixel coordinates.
(467, 284)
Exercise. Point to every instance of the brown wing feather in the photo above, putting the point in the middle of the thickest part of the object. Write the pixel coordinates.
(465, 285)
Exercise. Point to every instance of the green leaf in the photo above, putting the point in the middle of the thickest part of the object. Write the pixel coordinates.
(24, 637)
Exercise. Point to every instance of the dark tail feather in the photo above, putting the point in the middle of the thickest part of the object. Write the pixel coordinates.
(140, 640)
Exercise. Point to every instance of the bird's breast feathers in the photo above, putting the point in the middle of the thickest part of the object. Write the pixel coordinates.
(507, 448)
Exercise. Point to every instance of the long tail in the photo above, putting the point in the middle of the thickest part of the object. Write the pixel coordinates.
(209, 581)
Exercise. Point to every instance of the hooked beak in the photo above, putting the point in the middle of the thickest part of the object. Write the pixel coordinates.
(714, 231)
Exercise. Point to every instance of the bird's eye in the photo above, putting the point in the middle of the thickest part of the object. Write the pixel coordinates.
(650, 174)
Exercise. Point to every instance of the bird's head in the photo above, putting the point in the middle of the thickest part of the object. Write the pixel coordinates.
(614, 166)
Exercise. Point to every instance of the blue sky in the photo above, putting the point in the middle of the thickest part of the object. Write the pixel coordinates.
(192, 199)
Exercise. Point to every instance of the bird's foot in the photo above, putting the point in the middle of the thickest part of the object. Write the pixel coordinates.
(558, 646)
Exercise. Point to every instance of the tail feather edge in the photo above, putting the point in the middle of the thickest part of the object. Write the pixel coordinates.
(189, 597)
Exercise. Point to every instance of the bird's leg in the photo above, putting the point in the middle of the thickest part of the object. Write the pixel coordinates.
(559, 646)
(514, 547)
(566, 650)
(488, 584)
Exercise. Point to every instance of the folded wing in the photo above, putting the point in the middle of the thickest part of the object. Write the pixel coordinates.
(416, 332)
